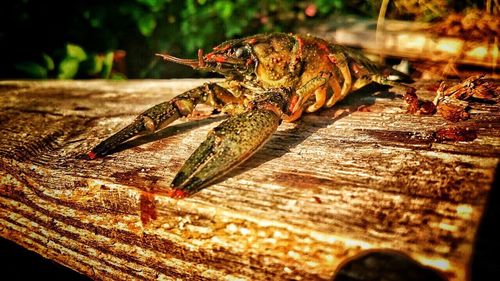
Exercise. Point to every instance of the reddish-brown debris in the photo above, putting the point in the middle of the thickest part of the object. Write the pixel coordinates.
(455, 134)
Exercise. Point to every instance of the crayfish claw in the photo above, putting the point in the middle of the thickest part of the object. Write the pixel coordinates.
(108, 145)
(226, 146)
(160, 115)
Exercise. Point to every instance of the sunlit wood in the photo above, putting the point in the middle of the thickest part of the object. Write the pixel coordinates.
(362, 175)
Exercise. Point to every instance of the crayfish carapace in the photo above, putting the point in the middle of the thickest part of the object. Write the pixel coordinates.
(268, 78)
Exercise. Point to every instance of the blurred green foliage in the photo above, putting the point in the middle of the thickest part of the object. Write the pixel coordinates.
(77, 39)
(75, 62)
(114, 39)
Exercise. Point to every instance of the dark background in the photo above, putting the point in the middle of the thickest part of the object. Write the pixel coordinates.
(72, 39)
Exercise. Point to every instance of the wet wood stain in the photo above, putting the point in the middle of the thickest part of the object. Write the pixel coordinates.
(147, 208)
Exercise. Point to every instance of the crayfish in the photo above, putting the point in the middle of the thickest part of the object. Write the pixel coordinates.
(268, 79)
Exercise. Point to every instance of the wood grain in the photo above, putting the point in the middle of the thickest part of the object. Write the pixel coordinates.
(364, 175)
(405, 39)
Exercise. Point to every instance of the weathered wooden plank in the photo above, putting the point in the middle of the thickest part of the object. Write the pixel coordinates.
(322, 190)
(405, 39)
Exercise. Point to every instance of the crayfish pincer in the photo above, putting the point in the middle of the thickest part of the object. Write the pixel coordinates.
(268, 78)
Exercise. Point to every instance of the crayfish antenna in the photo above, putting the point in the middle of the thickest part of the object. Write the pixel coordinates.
(188, 62)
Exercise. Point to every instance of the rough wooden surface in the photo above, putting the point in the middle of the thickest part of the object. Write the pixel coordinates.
(364, 175)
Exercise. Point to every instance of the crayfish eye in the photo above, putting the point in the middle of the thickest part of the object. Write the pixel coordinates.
(239, 52)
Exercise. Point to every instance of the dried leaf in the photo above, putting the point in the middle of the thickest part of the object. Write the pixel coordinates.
(427, 108)
(453, 110)
(475, 86)
(452, 102)
(412, 100)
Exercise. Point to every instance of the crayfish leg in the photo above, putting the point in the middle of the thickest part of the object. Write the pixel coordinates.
(313, 86)
(160, 115)
(340, 61)
(320, 99)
